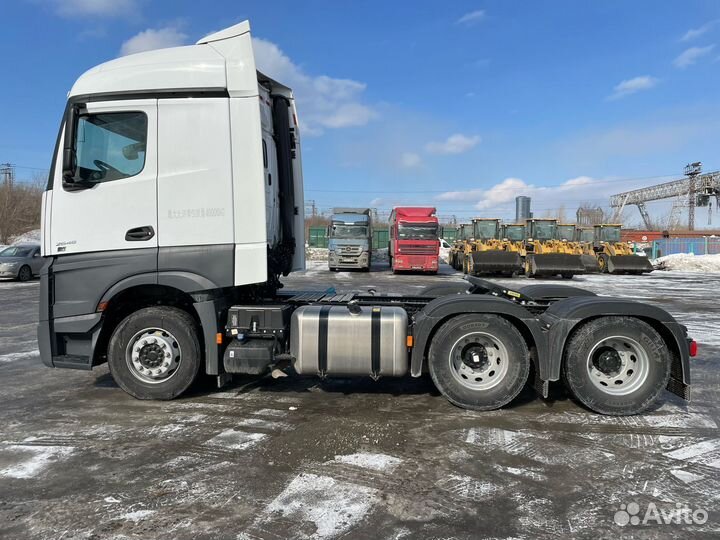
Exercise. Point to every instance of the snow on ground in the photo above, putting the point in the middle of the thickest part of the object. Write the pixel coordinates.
(28, 237)
(689, 262)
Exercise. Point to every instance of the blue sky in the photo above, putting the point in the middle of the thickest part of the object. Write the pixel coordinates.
(458, 104)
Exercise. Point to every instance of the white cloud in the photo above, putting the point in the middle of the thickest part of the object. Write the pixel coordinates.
(97, 8)
(454, 144)
(500, 198)
(410, 160)
(690, 56)
(153, 38)
(697, 32)
(630, 86)
(472, 17)
(324, 102)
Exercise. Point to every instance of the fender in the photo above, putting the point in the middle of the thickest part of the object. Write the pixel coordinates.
(439, 309)
(562, 317)
(187, 282)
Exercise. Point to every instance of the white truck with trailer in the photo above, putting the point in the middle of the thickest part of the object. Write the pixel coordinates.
(174, 207)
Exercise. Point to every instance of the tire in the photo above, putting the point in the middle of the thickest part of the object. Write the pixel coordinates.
(603, 262)
(503, 369)
(25, 274)
(158, 326)
(567, 276)
(621, 383)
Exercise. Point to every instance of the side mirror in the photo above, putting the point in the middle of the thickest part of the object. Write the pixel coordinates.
(69, 156)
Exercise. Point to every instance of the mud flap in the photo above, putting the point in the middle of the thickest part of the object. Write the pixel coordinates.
(631, 264)
(494, 262)
(552, 264)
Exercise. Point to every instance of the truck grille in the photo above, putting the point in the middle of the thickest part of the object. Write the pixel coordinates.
(418, 250)
(349, 250)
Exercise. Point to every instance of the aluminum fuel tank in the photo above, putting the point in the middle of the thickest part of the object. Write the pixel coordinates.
(350, 341)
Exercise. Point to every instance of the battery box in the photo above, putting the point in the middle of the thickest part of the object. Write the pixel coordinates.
(268, 320)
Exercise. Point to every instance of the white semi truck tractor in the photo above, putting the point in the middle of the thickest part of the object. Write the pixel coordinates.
(175, 206)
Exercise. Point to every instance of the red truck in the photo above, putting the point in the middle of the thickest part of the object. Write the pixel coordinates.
(414, 243)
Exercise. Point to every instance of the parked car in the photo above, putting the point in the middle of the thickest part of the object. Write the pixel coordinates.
(444, 250)
(21, 261)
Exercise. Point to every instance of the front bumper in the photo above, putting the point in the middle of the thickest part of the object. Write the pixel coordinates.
(8, 273)
(348, 261)
(421, 263)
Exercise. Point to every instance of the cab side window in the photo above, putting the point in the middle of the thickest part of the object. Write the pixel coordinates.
(110, 146)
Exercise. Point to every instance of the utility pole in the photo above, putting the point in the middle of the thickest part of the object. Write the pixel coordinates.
(7, 174)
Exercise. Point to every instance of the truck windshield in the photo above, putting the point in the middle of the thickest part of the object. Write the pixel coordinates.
(611, 234)
(349, 231)
(417, 231)
(111, 146)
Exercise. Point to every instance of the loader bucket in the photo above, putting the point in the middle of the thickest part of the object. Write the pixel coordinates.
(495, 262)
(590, 263)
(552, 264)
(629, 264)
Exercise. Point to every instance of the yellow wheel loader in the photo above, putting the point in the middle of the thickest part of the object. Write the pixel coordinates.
(547, 256)
(615, 256)
(457, 251)
(568, 237)
(487, 253)
(584, 237)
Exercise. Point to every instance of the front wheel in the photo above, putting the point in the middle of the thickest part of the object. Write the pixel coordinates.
(155, 353)
(479, 361)
(616, 365)
(25, 274)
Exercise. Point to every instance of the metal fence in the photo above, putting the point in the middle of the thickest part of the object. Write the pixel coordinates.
(448, 233)
(317, 237)
(708, 245)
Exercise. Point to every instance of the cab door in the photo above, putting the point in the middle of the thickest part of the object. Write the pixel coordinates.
(111, 204)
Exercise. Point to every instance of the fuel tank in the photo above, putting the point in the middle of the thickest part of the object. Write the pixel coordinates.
(352, 340)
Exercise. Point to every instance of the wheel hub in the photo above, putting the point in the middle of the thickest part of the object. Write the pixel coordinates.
(153, 355)
(475, 356)
(479, 361)
(607, 361)
(618, 365)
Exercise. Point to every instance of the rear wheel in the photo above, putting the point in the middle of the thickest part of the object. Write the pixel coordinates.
(25, 274)
(479, 361)
(155, 353)
(616, 365)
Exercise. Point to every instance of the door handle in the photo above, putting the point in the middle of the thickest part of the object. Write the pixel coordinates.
(140, 234)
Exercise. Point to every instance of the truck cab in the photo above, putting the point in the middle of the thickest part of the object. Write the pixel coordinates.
(414, 243)
(176, 172)
(350, 239)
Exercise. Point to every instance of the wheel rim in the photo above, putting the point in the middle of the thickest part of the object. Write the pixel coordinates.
(153, 355)
(24, 273)
(478, 361)
(618, 365)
